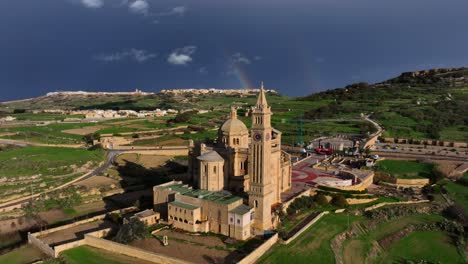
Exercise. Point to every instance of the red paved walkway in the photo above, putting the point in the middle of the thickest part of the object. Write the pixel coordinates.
(303, 171)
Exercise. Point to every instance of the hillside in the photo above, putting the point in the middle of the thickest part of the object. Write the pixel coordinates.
(422, 104)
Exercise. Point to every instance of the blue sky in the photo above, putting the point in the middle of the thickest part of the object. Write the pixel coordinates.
(296, 47)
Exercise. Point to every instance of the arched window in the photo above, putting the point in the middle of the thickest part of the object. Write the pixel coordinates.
(214, 169)
(256, 204)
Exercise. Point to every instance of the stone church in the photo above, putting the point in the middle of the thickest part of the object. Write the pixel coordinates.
(238, 162)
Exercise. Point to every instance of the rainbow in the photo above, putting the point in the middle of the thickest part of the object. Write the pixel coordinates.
(240, 72)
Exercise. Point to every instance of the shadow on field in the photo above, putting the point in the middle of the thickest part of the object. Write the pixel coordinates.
(138, 181)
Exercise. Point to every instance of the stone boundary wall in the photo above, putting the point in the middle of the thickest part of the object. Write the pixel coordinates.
(425, 142)
(130, 251)
(313, 221)
(59, 249)
(373, 207)
(302, 160)
(161, 152)
(63, 247)
(41, 245)
(258, 252)
(408, 182)
(88, 220)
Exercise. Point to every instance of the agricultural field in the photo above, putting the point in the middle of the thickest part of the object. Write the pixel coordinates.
(47, 134)
(405, 169)
(91, 255)
(312, 244)
(23, 255)
(23, 169)
(432, 246)
(384, 241)
(457, 191)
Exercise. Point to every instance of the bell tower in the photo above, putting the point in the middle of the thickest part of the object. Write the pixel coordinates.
(261, 187)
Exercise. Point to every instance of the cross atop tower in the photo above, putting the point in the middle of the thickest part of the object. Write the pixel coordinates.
(261, 101)
(233, 114)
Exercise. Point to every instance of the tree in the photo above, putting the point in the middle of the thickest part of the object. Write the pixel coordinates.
(131, 231)
(320, 199)
(91, 137)
(339, 200)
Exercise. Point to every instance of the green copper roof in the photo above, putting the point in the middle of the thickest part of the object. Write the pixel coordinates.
(183, 205)
(217, 197)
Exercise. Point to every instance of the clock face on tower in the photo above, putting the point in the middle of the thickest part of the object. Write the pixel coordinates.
(257, 136)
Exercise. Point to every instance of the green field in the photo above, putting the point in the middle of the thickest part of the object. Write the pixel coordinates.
(49, 134)
(38, 168)
(431, 246)
(314, 244)
(43, 117)
(32, 160)
(457, 191)
(405, 169)
(23, 255)
(91, 255)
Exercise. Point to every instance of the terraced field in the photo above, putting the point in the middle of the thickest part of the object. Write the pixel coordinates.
(38, 168)
(385, 242)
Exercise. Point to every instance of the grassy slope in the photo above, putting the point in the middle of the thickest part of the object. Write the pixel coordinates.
(458, 192)
(405, 169)
(432, 246)
(314, 244)
(23, 255)
(43, 160)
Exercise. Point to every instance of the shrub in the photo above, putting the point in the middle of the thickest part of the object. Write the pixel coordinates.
(320, 199)
(131, 231)
(299, 204)
(339, 200)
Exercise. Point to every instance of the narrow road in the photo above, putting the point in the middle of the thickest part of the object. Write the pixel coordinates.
(110, 158)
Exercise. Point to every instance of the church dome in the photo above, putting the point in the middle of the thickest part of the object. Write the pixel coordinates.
(234, 126)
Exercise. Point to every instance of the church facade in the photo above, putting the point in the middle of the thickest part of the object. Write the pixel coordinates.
(239, 161)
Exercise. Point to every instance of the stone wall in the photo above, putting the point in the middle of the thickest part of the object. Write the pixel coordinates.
(88, 220)
(258, 252)
(373, 207)
(412, 182)
(40, 245)
(60, 248)
(63, 247)
(160, 152)
(130, 251)
(426, 142)
(313, 221)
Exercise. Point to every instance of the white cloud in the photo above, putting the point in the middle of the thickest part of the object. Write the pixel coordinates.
(93, 3)
(239, 58)
(202, 70)
(139, 7)
(133, 54)
(182, 56)
(178, 11)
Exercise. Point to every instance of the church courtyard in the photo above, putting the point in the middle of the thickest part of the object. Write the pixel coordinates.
(197, 248)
